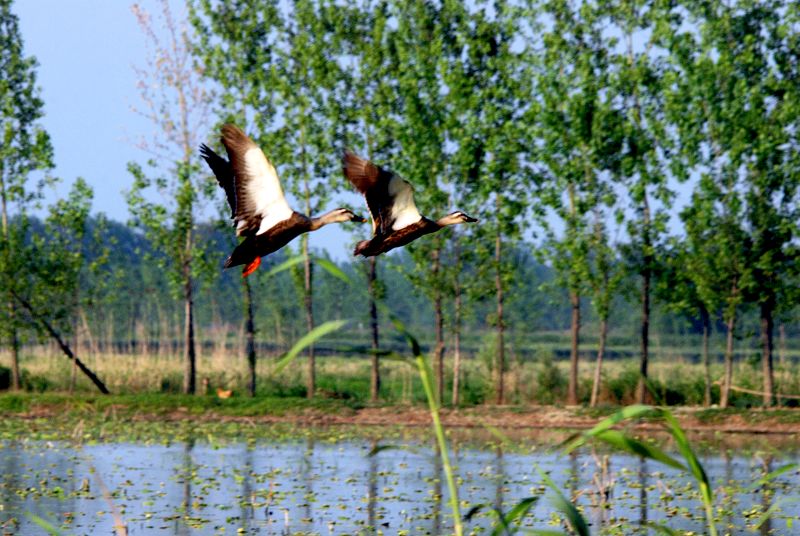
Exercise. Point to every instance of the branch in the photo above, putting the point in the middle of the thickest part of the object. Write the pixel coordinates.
(64, 347)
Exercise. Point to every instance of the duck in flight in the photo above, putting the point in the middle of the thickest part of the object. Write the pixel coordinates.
(390, 199)
(258, 207)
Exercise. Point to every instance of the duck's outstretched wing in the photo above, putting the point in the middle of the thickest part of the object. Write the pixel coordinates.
(223, 171)
(260, 203)
(390, 199)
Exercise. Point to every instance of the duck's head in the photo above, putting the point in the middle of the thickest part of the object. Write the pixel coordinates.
(345, 214)
(454, 218)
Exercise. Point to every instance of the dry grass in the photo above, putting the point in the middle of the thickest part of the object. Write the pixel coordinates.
(678, 380)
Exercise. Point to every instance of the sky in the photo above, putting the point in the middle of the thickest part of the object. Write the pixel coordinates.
(86, 51)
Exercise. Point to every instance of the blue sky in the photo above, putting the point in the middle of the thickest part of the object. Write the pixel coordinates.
(86, 51)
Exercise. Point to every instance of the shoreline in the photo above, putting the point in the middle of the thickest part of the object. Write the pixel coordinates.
(332, 412)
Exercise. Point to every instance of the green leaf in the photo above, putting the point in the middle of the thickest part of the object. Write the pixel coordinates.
(307, 340)
(695, 468)
(663, 529)
(332, 269)
(285, 265)
(46, 525)
(772, 509)
(773, 475)
(575, 519)
(626, 413)
(632, 445)
(518, 512)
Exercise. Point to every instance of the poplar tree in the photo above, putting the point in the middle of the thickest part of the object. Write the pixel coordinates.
(638, 81)
(735, 105)
(421, 45)
(368, 111)
(490, 96)
(238, 45)
(175, 100)
(579, 137)
(24, 149)
(304, 142)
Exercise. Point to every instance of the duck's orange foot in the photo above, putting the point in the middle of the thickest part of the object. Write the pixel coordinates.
(250, 268)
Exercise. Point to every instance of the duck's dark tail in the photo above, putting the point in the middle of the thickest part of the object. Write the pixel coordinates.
(362, 248)
(243, 254)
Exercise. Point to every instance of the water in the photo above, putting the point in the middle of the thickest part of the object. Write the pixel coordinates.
(334, 487)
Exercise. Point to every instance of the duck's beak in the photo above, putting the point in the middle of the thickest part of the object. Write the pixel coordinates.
(470, 219)
(359, 219)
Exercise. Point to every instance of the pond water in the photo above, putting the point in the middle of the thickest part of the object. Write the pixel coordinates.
(329, 486)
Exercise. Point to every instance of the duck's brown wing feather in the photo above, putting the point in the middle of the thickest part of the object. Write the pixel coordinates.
(390, 199)
(223, 171)
(260, 203)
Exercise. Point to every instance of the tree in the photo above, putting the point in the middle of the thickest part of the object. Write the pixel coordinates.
(420, 48)
(638, 81)
(176, 102)
(735, 105)
(578, 139)
(24, 149)
(490, 92)
(684, 273)
(238, 46)
(605, 277)
(53, 287)
(307, 73)
(366, 100)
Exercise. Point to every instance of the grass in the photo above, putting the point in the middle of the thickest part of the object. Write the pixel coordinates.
(156, 404)
(540, 381)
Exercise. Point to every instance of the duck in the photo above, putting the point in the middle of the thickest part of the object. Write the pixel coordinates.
(258, 205)
(396, 221)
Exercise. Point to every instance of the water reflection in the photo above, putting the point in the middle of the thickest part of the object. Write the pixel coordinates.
(372, 488)
(500, 476)
(642, 493)
(766, 498)
(436, 525)
(330, 487)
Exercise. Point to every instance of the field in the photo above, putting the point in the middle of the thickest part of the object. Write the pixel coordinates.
(539, 380)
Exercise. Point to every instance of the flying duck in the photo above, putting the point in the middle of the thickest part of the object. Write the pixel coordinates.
(258, 207)
(390, 199)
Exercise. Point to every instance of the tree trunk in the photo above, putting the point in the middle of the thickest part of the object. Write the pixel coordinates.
(438, 323)
(13, 338)
(782, 345)
(307, 296)
(16, 382)
(601, 349)
(375, 376)
(572, 392)
(766, 353)
(457, 345)
(190, 372)
(706, 319)
(726, 384)
(250, 335)
(500, 358)
(641, 391)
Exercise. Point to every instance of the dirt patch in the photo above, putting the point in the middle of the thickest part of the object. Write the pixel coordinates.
(534, 417)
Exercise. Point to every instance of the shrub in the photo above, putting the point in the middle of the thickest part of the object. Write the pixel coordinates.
(550, 381)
